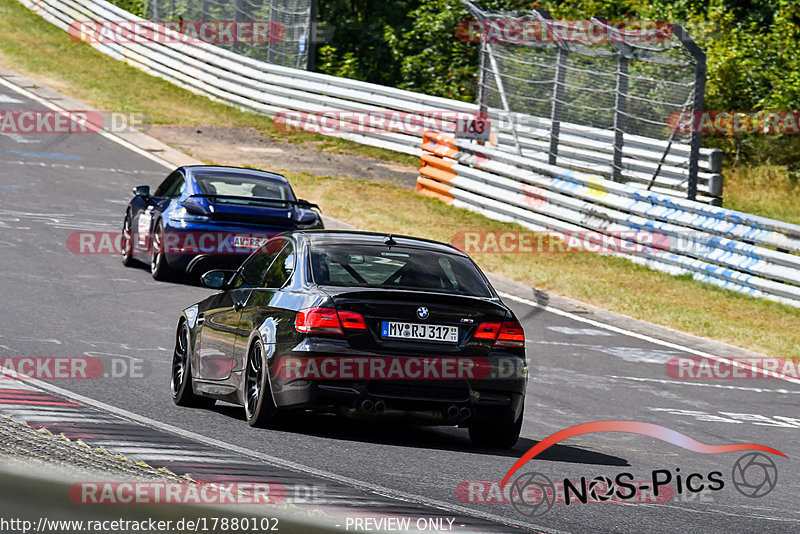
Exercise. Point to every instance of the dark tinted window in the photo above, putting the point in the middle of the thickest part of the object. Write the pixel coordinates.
(172, 186)
(281, 269)
(254, 269)
(396, 268)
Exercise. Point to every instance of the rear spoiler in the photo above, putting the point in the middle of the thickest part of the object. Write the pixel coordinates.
(191, 205)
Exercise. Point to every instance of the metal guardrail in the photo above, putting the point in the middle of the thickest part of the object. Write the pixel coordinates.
(258, 86)
(734, 250)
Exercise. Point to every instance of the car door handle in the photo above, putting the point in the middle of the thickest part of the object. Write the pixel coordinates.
(201, 318)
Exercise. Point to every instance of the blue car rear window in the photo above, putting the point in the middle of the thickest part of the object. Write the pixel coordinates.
(237, 185)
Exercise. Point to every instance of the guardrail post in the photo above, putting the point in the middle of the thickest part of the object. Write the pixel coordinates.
(620, 111)
(558, 102)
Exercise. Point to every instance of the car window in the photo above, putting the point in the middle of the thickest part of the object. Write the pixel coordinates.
(172, 186)
(396, 268)
(254, 268)
(281, 269)
(244, 186)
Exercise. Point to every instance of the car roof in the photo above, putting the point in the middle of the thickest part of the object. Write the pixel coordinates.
(191, 170)
(356, 237)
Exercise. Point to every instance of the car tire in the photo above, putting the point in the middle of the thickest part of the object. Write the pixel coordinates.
(259, 406)
(181, 375)
(159, 269)
(126, 242)
(501, 433)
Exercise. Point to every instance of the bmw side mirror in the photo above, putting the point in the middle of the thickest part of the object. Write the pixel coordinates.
(216, 279)
(142, 191)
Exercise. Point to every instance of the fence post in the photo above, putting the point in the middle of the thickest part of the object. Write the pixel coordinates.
(620, 110)
(558, 102)
(271, 45)
(698, 104)
(312, 36)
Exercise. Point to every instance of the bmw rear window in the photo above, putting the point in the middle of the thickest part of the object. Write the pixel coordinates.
(375, 266)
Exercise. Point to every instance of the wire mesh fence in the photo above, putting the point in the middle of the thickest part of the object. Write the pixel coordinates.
(630, 80)
(288, 41)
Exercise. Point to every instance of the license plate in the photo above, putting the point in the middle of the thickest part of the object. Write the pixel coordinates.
(423, 332)
(248, 242)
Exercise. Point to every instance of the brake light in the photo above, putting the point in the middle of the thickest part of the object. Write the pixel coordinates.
(511, 335)
(328, 321)
(352, 320)
(318, 320)
(487, 331)
(505, 334)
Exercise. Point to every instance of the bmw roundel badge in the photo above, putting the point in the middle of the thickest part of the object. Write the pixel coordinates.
(422, 312)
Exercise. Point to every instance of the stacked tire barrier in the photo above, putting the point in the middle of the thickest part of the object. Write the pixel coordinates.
(734, 250)
(270, 89)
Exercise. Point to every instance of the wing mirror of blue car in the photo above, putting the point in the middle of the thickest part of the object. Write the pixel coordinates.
(142, 191)
(194, 206)
(217, 279)
(301, 203)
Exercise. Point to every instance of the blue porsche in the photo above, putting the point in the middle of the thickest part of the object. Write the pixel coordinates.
(206, 216)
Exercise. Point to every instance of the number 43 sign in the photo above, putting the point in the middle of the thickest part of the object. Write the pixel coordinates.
(476, 127)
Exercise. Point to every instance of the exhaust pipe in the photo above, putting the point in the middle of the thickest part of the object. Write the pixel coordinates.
(367, 405)
(452, 411)
(380, 406)
(465, 413)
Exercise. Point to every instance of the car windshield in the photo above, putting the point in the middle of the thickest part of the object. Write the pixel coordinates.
(376, 266)
(246, 187)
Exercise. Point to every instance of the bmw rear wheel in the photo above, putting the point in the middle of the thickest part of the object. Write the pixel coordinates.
(259, 407)
(181, 378)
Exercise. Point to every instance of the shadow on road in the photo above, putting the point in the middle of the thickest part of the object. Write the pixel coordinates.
(423, 437)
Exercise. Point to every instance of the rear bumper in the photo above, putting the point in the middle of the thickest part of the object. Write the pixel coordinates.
(441, 401)
(199, 247)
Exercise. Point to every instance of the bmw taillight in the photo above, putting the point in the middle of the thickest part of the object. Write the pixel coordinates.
(328, 321)
(352, 320)
(487, 331)
(505, 334)
(511, 335)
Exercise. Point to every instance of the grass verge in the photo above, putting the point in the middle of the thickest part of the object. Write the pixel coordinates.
(37, 49)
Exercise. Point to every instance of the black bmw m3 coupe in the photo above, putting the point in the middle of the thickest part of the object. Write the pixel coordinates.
(369, 326)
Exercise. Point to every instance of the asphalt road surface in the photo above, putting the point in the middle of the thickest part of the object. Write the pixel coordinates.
(58, 303)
